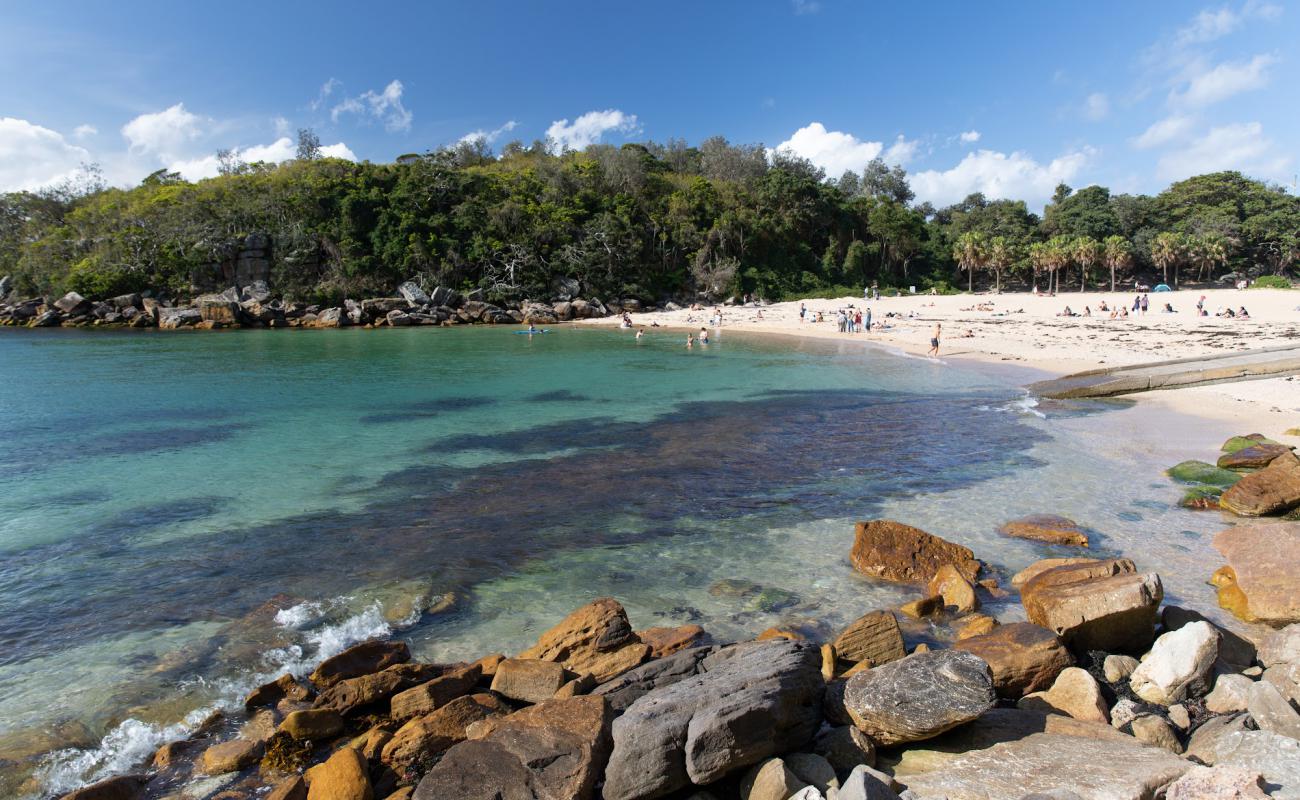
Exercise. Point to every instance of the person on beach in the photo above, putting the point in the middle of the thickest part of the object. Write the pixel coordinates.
(1103, 307)
(704, 335)
(1087, 311)
(803, 312)
(1146, 303)
(1137, 303)
(857, 322)
(1243, 313)
(934, 340)
(867, 320)
(1168, 309)
(639, 333)
(1200, 307)
(690, 340)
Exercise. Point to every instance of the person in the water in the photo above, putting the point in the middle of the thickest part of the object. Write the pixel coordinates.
(704, 335)
(639, 333)
(690, 340)
(532, 328)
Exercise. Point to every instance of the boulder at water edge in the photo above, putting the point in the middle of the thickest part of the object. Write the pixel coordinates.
(362, 659)
(595, 639)
(1104, 605)
(423, 738)
(873, 639)
(1273, 490)
(748, 702)
(1178, 666)
(1094, 769)
(1257, 456)
(919, 696)
(1022, 656)
(343, 776)
(896, 552)
(1048, 528)
(123, 787)
(1260, 582)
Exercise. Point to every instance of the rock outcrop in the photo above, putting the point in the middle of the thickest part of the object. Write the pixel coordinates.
(1023, 657)
(896, 552)
(1272, 490)
(1105, 605)
(1260, 582)
(596, 639)
(1048, 528)
(919, 696)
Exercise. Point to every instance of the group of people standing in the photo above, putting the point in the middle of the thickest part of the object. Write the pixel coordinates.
(847, 320)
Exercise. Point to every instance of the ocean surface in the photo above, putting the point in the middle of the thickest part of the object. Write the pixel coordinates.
(183, 516)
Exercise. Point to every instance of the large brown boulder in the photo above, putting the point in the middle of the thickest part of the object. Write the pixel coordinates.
(666, 641)
(557, 749)
(1046, 528)
(343, 776)
(1106, 605)
(231, 756)
(595, 639)
(1024, 657)
(362, 659)
(285, 687)
(313, 724)
(432, 695)
(1261, 582)
(123, 787)
(529, 680)
(1257, 456)
(919, 696)
(1273, 490)
(1042, 565)
(896, 552)
(354, 694)
(422, 739)
(873, 638)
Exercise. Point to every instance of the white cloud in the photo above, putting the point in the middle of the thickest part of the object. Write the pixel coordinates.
(1224, 81)
(1240, 146)
(1164, 131)
(281, 149)
(84, 131)
(32, 156)
(969, 137)
(166, 134)
(998, 176)
(490, 136)
(836, 152)
(281, 126)
(1096, 107)
(589, 128)
(802, 7)
(902, 150)
(326, 90)
(385, 106)
(1210, 25)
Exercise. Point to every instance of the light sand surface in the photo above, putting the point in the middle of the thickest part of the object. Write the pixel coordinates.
(1026, 329)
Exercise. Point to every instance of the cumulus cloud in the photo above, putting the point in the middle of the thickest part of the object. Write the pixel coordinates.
(589, 128)
(838, 152)
(282, 149)
(32, 156)
(167, 134)
(1164, 131)
(490, 136)
(969, 137)
(84, 131)
(1096, 106)
(1241, 146)
(385, 106)
(1210, 25)
(998, 176)
(1225, 80)
(281, 125)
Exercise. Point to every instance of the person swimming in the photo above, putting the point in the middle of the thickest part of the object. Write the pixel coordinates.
(704, 335)
(690, 340)
(640, 332)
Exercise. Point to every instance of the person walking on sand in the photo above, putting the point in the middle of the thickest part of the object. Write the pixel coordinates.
(1146, 302)
(866, 320)
(803, 312)
(934, 340)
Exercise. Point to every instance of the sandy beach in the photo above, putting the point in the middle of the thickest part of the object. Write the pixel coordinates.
(1028, 329)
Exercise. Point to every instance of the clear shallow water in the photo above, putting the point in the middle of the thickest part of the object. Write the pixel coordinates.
(184, 515)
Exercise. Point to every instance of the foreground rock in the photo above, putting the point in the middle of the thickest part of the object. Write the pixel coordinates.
(1275, 757)
(897, 552)
(420, 741)
(362, 659)
(1094, 769)
(1023, 657)
(920, 696)
(1217, 783)
(1047, 528)
(122, 787)
(749, 701)
(1105, 605)
(556, 749)
(344, 776)
(872, 639)
(597, 639)
(1273, 490)
(1178, 666)
(1260, 582)
(1074, 693)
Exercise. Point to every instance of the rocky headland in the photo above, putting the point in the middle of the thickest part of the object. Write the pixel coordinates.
(1104, 692)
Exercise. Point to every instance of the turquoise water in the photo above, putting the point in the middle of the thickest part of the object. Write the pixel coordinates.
(184, 515)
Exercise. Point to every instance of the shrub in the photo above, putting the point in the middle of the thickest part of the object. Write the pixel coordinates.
(1271, 282)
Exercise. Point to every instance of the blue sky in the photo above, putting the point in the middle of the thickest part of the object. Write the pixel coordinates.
(1005, 98)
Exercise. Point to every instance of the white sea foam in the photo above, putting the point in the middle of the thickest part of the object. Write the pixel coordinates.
(132, 742)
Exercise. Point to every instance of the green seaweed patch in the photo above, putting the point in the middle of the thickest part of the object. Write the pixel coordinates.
(1199, 472)
(285, 753)
(1242, 442)
(772, 599)
(1201, 498)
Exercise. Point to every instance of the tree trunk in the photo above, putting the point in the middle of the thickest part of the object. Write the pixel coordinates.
(1083, 278)
(1112, 278)
(970, 280)
(997, 281)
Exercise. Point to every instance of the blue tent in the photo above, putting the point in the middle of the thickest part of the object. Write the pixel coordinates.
(1161, 287)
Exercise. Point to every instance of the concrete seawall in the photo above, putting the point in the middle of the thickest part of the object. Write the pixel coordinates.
(1242, 366)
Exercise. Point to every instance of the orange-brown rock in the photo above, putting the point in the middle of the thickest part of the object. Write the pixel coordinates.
(1273, 490)
(873, 638)
(595, 639)
(294, 788)
(354, 694)
(924, 607)
(1023, 576)
(975, 625)
(231, 756)
(1256, 456)
(529, 680)
(954, 588)
(1046, 528)
(583, 684)
(778, 632)
(371, 743)
(896, 552)
(423, 738)
(666, 641)
(122, 787)
(343, 776)
(314, 724)
(430, 696)
(283, 687)
(1261, 582)
(362, 659)
(1105, 605)
(1024, 657)
(489, 664)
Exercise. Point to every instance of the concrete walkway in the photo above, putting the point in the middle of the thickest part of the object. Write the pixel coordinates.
(1241, 366)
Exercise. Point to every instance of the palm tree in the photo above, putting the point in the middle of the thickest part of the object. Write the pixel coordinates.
(1040, 258)
(1166, 250)
(1206, 252)
(1118, 255)
(1086, 252)
(1060, 252)
(1001, 254)
(970, 253)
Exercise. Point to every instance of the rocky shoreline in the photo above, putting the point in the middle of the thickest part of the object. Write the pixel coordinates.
(256, 306)
(1104, 692)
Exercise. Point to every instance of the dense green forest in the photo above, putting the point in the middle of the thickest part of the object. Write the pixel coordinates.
(642, 221)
